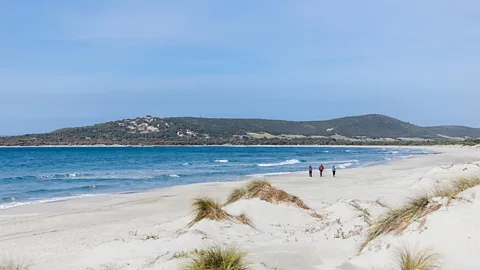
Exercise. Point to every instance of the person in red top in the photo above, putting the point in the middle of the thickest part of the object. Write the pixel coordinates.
(321, 170)
(310, 170)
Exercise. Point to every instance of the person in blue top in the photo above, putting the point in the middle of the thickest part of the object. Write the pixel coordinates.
(334, 170)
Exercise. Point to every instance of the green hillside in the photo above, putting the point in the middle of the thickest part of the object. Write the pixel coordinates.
(189, 130)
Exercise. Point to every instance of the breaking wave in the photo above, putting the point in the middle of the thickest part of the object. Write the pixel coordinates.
(286, 162)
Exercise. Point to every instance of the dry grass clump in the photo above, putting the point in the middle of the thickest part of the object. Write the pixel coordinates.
(316, 215)
(207, 208)
(381, 204)
(451, 191)
(465, 183)
(12, 265)
(397, 220)
(417, 259)
(263, 190)
(363, 212)
(237, 195)
(218, 258)
(245, 220)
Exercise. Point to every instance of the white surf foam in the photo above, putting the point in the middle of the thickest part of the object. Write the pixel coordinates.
(267, 174)
(221, 161)
(55, 199)
(344, 165)
(286, 162)
(174, 176)
(333, 162)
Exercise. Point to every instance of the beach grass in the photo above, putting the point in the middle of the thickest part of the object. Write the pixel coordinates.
(418, 259)
(465, 183)
(381, 204)
(13, 265)
(237, 195)
(363, 212)
(263, 190)
(207, 208)
(397, 220)
(218, 258)
(452, 190)
(242, 218)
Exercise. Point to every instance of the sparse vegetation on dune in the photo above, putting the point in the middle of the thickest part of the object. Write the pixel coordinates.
(424, 259)
(245, 220)
(263, 190)
(465, 183)
(13, 265)
(207, 208)
(218, 258)
(397, 220)
(363, 212)
(381, 204)
(452, 190)
(237, 195)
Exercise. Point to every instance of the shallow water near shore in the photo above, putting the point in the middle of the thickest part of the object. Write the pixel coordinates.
(36, 175)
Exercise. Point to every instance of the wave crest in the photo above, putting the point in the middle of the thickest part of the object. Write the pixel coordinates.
(286, 162)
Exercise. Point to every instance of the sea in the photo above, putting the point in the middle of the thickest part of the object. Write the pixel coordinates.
(46, 174)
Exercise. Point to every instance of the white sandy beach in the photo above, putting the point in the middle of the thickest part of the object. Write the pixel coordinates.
(108, 232)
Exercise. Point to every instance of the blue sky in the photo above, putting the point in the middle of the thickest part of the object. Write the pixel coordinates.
(70, 63)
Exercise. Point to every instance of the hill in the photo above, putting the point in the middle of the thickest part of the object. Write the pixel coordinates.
(370, 129)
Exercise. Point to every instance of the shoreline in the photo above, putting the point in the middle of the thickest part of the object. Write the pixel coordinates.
(147, 230)
(159, 146)
(243, 178)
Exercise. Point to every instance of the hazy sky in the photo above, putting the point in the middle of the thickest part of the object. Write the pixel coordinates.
(69, 63)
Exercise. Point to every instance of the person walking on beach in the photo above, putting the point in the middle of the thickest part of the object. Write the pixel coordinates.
(321, 170)
(334, 170)
(310, 170)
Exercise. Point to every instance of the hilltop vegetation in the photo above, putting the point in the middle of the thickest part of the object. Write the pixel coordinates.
(366, 129)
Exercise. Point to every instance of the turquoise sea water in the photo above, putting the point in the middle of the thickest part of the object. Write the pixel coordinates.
(36, 175)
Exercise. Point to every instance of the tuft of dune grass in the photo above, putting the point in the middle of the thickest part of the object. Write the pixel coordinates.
(316, 215)
(381, 204)
(218, 258)
(237, 195)
(452, 190)
(424, 259)
(397, 220)
(207, 208)
(263, 190)
(465, 183)
(363, 212)
(12, 265)
(245, 220)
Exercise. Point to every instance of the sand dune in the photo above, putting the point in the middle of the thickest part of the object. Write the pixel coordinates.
(150, 230)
